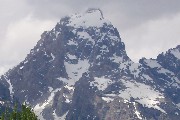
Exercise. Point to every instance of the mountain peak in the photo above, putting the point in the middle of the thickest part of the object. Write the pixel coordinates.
(80, 70)
(93, 17)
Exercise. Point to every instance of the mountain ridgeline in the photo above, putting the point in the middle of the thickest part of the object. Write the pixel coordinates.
(79, 70)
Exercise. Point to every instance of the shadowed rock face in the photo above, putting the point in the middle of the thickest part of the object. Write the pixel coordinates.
(79, 70)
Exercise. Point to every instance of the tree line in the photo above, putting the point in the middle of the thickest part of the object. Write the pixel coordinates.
(25, 113)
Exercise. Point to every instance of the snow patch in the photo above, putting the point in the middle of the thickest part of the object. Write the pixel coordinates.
(64, 80)
(142, 93)
(21, 67)
(178, 105)
(85, 35)
(71, 56)
(147, 77)
(53, 57)
(111, 95)
(72, 42)
(67, 100)
(57, 34)
(160, 69)
(137, 112)
(134, 69)
(10, 87)
(116, 59)
(2, 102)
(68, 87)
(176, 113)
(114, 38)
(165, 71)
(107, 99)
(63, 117)
(75, 71)
(90, 19)
(152, 63)
(25, 61)
(104, 49)
(66, 97)
(50, 89)
(176, 53)
(38, 109)
(101, 83)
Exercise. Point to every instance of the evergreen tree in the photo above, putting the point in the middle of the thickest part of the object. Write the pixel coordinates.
(26, 113)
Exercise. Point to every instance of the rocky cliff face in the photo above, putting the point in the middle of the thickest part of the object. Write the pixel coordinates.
(80, 71)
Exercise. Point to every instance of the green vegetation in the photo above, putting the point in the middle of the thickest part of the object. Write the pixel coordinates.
(26, 113)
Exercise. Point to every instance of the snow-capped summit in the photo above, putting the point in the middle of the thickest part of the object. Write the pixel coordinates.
(91, 18)
(80, 70)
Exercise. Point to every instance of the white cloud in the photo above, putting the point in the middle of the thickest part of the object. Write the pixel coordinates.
(21, 36)
(152, 37)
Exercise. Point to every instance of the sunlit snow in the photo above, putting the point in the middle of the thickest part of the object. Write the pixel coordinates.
(21, 67)
(63, 117)
(85, 35)
(72, 42)
(116, 59)
(134, 69)
(152, 63)
(88, 19)
(53, 57)
(142, 93)
(155, 64)
(10, 86)
(101, 83)
(38, 109)
(2, 102)
(137, 112)
(107, 99)
(75, 71)
(71, 56)
(178, 105)
(176, 53)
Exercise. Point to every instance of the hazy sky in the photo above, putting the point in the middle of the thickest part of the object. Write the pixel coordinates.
(147, 27)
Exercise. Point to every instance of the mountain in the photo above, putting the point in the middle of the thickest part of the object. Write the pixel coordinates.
(79, 70)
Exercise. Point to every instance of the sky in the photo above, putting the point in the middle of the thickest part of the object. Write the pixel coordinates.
(147, 27)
